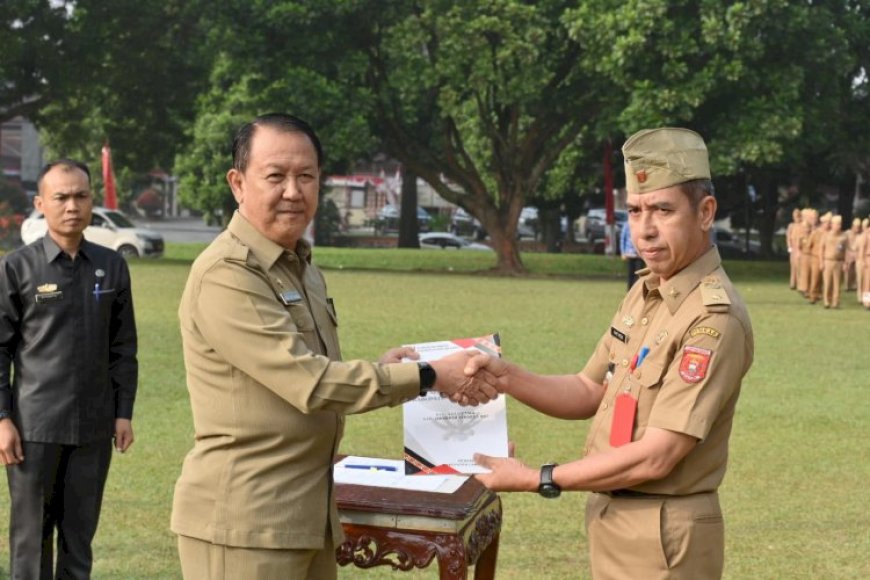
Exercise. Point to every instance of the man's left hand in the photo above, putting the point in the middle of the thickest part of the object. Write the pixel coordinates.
(123, 434)
(397, 355)
(507, 474)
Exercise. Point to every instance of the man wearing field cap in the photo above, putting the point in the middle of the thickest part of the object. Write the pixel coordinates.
(661, 386)
(851, 274)
(817, 264)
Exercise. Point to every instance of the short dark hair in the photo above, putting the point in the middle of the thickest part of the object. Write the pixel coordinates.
(71, 163)
(696, 190)
(280, 121)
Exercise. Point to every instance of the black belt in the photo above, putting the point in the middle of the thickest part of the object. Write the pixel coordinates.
(629, 493)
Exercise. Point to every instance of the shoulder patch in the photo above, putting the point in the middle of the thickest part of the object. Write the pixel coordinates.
(705, 330)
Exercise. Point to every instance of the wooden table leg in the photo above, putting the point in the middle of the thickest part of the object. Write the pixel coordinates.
(484, 569)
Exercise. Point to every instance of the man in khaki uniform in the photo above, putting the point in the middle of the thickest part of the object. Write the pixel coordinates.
(661, 387)
(806, 235)
(851, 275)
(817, 262)
(862, 258)
(834, 255)
(792, 239)
(268, 391)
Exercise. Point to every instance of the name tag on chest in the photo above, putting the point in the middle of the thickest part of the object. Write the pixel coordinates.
(289, 297)
(46, 297)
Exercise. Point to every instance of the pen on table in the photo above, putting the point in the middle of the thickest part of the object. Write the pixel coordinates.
(372, 467)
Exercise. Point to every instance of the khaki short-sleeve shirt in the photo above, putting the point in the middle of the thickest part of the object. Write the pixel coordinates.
(700, 343)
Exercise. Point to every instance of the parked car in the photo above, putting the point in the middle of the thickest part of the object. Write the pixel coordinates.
(448, 241)
(110, 228)
(596, 220)
(463, 224)
(734, 246)
(388, 219)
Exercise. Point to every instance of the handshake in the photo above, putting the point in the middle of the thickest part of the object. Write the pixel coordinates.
(469, 377)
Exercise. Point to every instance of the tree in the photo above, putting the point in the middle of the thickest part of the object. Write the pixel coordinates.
(482, 95)
(778, 88)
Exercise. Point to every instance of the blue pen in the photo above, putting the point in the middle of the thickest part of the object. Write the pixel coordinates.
(641, 355)
(372, 467)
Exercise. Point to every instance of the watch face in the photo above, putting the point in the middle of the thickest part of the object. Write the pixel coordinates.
(549, 491)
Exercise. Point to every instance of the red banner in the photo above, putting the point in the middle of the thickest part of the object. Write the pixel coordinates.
(110, 199)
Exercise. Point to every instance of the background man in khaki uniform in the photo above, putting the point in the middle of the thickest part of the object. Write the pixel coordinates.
(792, 238)
(817, 263)
(834, 255)
(661, 387)
(862, 256)
(851, 273)
(268, 391)
(806, 256)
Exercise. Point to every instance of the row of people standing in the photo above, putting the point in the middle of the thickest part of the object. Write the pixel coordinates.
(822, 255)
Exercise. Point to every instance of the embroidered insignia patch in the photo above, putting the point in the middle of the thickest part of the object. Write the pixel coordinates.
(641, 176)
(46, 288)
(705, 330)
(693, 366)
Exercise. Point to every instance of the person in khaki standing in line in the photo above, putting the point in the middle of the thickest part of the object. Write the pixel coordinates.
(863, 261)
(817, 263)
(851, 275)
(268, 389)
(834, 255)
(661, 387)
(806, 255)
(792, 238)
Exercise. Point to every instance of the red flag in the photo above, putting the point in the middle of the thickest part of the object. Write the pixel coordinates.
(110, 200)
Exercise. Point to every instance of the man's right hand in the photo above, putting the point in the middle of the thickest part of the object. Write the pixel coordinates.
(11, 452)
(454, 382)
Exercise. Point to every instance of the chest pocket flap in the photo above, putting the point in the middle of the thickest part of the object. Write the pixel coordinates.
(651, 373)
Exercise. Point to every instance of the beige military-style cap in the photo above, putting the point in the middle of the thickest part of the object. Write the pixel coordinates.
(837, 219)
(659, 158)
(866, 223)
(826, 218)
(856, 222)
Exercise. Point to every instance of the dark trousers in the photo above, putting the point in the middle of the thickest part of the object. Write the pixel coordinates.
(634, 264)
(56, 486)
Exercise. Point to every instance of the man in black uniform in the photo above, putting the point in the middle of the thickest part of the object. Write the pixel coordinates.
(67, 328)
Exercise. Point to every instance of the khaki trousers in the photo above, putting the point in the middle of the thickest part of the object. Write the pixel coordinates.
(794, 263)
(831, 279)
(804, 274)
(815, 287)
(202, 560)
(659, 538)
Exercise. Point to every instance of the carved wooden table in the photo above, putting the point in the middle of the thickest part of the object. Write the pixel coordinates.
(407, 529)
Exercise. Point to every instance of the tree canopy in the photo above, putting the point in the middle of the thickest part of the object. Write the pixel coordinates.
(491, 102)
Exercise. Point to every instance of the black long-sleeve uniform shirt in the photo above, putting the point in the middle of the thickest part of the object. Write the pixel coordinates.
(68, 363)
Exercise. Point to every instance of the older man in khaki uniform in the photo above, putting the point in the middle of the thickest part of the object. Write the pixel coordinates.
(792, 240)
(834, 255)
(268, 391)
(661, 387)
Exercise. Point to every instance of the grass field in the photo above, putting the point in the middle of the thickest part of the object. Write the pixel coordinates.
(795, 499)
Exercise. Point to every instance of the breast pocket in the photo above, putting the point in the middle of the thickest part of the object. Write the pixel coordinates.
(301, 317)
(650, 380)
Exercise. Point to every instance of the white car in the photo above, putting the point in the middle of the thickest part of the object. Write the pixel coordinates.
(447, 241)
(110, 228)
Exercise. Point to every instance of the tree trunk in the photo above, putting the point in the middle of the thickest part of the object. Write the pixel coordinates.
(408, 226)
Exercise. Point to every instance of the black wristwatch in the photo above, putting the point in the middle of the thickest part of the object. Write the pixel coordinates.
(4, 414)
(548, 488)
(427, 377)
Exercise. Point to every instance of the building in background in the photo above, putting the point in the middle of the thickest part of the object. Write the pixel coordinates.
(21, 154)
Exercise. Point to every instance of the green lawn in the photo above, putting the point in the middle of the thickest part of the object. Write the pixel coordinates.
(794, 498)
